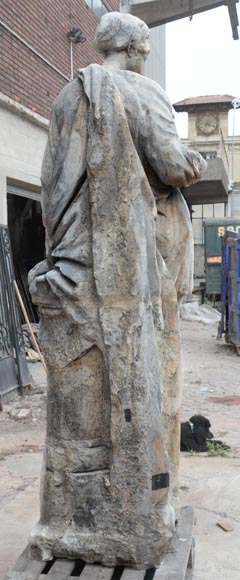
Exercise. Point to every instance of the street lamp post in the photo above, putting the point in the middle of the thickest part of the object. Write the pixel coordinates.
(75, 36)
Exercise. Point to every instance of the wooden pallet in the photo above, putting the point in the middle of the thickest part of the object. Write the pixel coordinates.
(176, 565)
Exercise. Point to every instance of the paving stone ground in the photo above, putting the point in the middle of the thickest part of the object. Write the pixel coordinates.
(211, 484)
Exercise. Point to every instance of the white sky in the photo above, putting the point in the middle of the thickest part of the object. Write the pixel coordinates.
(203, 59)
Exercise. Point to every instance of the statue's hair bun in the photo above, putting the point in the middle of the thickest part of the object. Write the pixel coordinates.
(118, 31)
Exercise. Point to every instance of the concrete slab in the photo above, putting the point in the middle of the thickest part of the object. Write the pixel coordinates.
(17, 472)
(38, 373)
(16, 521)
(212, 486)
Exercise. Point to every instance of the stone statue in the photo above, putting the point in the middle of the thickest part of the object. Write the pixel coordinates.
(118, 258)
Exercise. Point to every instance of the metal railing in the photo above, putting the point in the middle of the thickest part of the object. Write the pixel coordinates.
(13, 366)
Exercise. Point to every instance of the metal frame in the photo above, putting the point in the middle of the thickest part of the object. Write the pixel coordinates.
(13, 366)
(230, 290)
(158, 12)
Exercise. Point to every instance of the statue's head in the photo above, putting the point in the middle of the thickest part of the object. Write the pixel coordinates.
(119, 32)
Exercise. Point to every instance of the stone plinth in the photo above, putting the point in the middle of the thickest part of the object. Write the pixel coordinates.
(105, 474)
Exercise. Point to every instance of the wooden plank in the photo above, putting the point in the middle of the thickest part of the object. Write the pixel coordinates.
(93, 572)
(130, 574)
(25, 569)
(225, 526)
(32, 572)
(60, 570)
(21, 562)
(189, 575)
(191, 558)
(175, 563)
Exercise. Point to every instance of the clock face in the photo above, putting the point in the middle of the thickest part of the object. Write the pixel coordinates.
(207, 123)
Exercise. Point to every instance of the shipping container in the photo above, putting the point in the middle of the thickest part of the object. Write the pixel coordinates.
(214, 230)
(230, 290)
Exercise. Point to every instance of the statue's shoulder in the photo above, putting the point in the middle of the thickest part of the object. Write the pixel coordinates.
(69, 93)
(67, 101)
(143, 86)
(149, 86)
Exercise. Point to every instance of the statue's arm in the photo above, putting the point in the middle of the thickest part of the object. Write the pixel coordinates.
(64, 160)
(50, 171)
(38, 273)
(172, 161)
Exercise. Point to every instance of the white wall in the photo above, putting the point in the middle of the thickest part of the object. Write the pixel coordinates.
(155, 67)
(22, 143)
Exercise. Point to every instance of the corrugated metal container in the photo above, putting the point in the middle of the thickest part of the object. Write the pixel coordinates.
(214, 230)
(230, 290)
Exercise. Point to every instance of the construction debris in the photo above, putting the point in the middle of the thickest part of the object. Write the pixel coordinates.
(192, 311)
(225, 526)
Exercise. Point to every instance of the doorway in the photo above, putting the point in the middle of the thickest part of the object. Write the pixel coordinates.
(27, 241)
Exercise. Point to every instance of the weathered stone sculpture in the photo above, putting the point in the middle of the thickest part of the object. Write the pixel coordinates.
(118, 241)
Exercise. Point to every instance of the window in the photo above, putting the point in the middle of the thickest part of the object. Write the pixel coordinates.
(219, 210)
(208, 212)
(98, 7)
(208, 154)
(202, 212)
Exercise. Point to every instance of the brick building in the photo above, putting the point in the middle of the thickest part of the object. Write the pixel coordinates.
(37, 58)
(35, 48)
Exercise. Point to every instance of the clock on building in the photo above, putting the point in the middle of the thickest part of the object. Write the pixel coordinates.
(207, 123)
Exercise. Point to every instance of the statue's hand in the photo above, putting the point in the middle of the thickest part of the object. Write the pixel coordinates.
(39, 288)
(36, 274)
(179, 165)
(196, 167)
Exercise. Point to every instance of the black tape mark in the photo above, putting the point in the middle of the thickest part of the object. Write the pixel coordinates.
(128, 415)
(160, 481)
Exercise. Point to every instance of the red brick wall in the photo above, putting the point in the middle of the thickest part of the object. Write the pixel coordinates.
(43, 24)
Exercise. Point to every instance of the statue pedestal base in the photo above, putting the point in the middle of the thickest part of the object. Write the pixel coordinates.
(177, 563)
(105, 479)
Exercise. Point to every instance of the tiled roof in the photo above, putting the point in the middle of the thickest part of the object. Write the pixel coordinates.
(203, 100)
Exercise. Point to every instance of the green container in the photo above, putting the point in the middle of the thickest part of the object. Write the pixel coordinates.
(214, 230)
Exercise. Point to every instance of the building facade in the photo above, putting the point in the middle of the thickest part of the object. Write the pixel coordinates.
(217, 195)
(36, 48)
